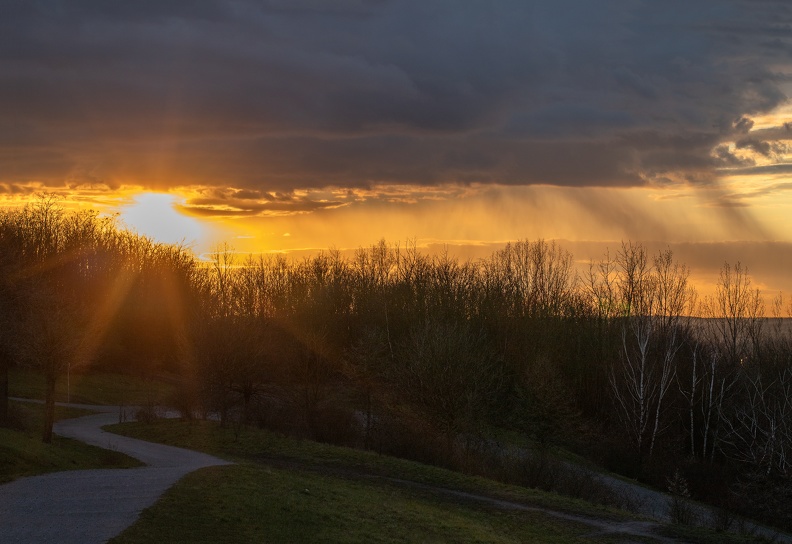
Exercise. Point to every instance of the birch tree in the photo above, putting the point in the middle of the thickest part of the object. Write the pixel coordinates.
(705, 385)
(654, 299)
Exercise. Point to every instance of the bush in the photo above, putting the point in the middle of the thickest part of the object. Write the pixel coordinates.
(721, 519)
(335, 425)
(16, 419)
(679, 507)
(147, 414)
(409, 438)
(767, 498)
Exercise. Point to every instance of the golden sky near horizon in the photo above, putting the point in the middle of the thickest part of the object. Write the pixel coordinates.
(295, 127)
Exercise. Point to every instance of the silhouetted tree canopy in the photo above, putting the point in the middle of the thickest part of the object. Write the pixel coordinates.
(395, 349)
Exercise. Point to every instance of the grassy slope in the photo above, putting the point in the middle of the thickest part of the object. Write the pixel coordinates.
(260, 446)
(110, 389)
(255, 503)
(22, 453)
(286, 490)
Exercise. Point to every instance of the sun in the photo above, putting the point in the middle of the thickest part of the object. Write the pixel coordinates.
(155, 215)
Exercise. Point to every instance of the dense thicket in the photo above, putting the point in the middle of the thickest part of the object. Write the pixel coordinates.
(422, 355)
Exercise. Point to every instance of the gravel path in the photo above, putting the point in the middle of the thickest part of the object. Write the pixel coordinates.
(92, 506)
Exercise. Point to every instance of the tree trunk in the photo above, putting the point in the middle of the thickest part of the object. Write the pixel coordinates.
(367, 435)
(49, 410)
(450, 439)
(247, 394)
(3, 393)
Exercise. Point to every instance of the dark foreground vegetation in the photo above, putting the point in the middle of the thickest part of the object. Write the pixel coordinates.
(423, 357)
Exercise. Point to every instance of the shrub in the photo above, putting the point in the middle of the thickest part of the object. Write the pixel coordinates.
(679, 508)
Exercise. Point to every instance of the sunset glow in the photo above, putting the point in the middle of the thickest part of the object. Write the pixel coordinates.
(155, 215)
(496, 132)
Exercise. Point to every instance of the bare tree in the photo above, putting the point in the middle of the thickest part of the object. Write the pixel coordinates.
(10, 308)
(365, 364)
(54, 248)
(758, 425)
(632, 380)
(706, 384)
(52, 344)
(312, 368)
(538, 276)
(600, 287)
(675, 300)
(734, 314)
(222, 279)
(72, 271)
(653, 298)
(449, 375)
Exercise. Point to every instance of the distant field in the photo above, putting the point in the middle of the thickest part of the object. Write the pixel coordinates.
(85, 388)
(770, 325)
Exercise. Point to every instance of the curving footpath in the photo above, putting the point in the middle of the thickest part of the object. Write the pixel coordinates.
(93, 506)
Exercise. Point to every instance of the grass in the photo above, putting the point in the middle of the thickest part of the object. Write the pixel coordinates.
(86, 388)
(288, 490)
(254, 503)
(261, 446)
(22, 453)
(699, 535)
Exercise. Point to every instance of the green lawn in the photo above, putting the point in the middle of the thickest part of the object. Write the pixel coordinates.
(22, 453)
(255, 503)
(89, 388)
(255, 445)
(287, 490)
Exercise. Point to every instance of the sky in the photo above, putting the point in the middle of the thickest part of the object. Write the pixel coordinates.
(297, 125)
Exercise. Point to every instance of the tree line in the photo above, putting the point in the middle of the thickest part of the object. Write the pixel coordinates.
(421, 355)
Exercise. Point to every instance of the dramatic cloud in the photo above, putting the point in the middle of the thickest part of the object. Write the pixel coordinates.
(227, 202)
(278, 96)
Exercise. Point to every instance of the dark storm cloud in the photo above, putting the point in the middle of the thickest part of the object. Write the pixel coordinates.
(763, 148)
(226, 202)
(301, 161)
(306, 93)
(729, 160)
(769, 170)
